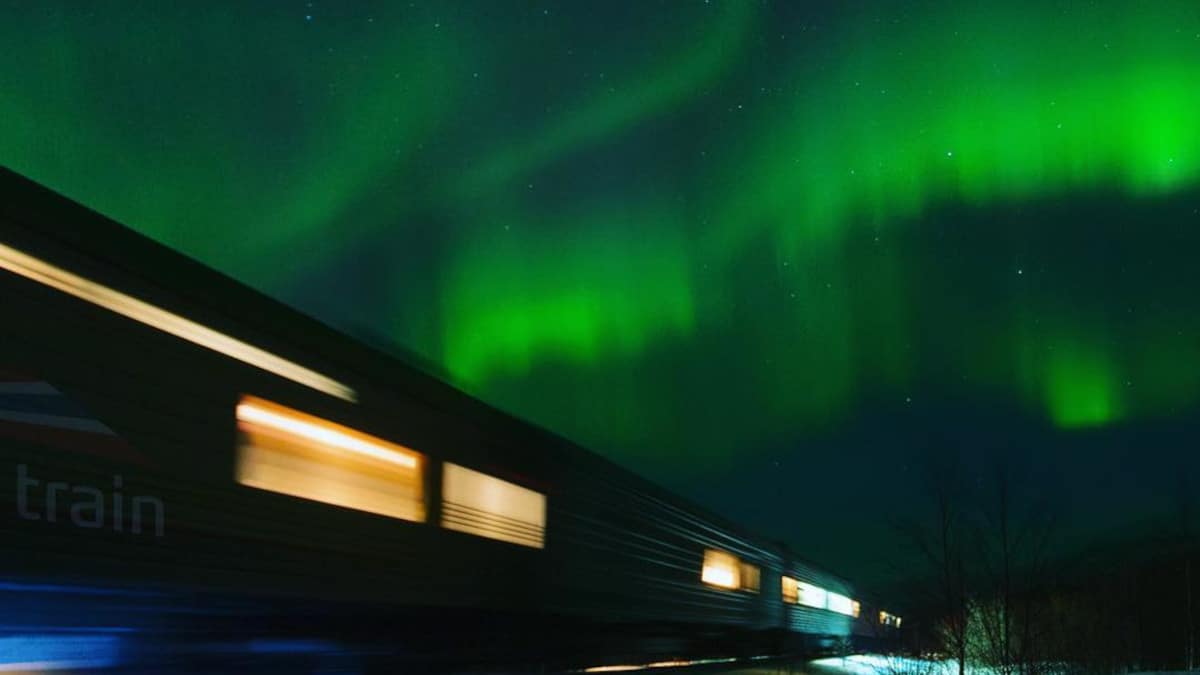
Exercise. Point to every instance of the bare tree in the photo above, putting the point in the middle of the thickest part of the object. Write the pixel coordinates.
(939, 544)
(1012, 537)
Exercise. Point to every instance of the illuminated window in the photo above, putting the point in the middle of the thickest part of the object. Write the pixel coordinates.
(287, 451)
(751, 576)
(721, 569)
(812, 596)
(839, 603)
(889, 619)
(181, 327)
(483, 505)
(857, 609)
(791, 590)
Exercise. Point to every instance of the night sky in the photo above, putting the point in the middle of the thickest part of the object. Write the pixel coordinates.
(770, 254)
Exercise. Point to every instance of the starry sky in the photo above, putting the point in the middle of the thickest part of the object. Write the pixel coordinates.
(771, 254)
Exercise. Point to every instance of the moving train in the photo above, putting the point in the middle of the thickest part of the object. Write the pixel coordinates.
(201, 475)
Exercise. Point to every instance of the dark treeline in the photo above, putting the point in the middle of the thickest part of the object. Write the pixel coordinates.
(997, 591)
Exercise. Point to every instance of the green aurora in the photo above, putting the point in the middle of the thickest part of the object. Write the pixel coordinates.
(670, 230)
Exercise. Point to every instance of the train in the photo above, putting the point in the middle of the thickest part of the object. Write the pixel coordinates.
(203, 475)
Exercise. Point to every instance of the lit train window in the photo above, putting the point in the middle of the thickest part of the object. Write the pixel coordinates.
(889, 619)
(751, 577)
(479, 504)
(857, 609)
(290, 452)
(812, 596)
(839, 603)
(181, 327)
(721, 569)
(791, 590)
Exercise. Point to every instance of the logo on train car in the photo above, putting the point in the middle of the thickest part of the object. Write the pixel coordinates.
(35, 413)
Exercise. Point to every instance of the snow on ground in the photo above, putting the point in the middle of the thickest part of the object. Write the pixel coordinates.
(871, 664)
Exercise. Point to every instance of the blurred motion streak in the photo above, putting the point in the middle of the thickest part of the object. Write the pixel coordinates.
(55, 277)
(660, 664)
(44, 653)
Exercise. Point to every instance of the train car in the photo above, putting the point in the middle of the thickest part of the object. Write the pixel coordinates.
(200, 475)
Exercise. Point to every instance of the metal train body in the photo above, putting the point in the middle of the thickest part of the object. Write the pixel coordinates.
(617, 577)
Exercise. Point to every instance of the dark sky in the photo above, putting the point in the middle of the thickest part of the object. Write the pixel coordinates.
(771, 254)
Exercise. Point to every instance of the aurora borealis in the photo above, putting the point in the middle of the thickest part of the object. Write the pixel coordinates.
(699, 237)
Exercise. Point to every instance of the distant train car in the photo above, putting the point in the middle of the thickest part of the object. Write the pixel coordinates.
(198, 473)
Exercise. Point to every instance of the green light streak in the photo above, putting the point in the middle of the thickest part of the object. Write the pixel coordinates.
(611, 110)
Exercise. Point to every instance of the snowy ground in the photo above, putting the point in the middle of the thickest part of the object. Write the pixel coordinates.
(865, 664)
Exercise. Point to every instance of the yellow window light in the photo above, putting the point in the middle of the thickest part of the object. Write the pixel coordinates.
(791, 590)
(483, 505)
(751, 577)
(721, 569)
(261, 413)
(290, 452)
(130, 307)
